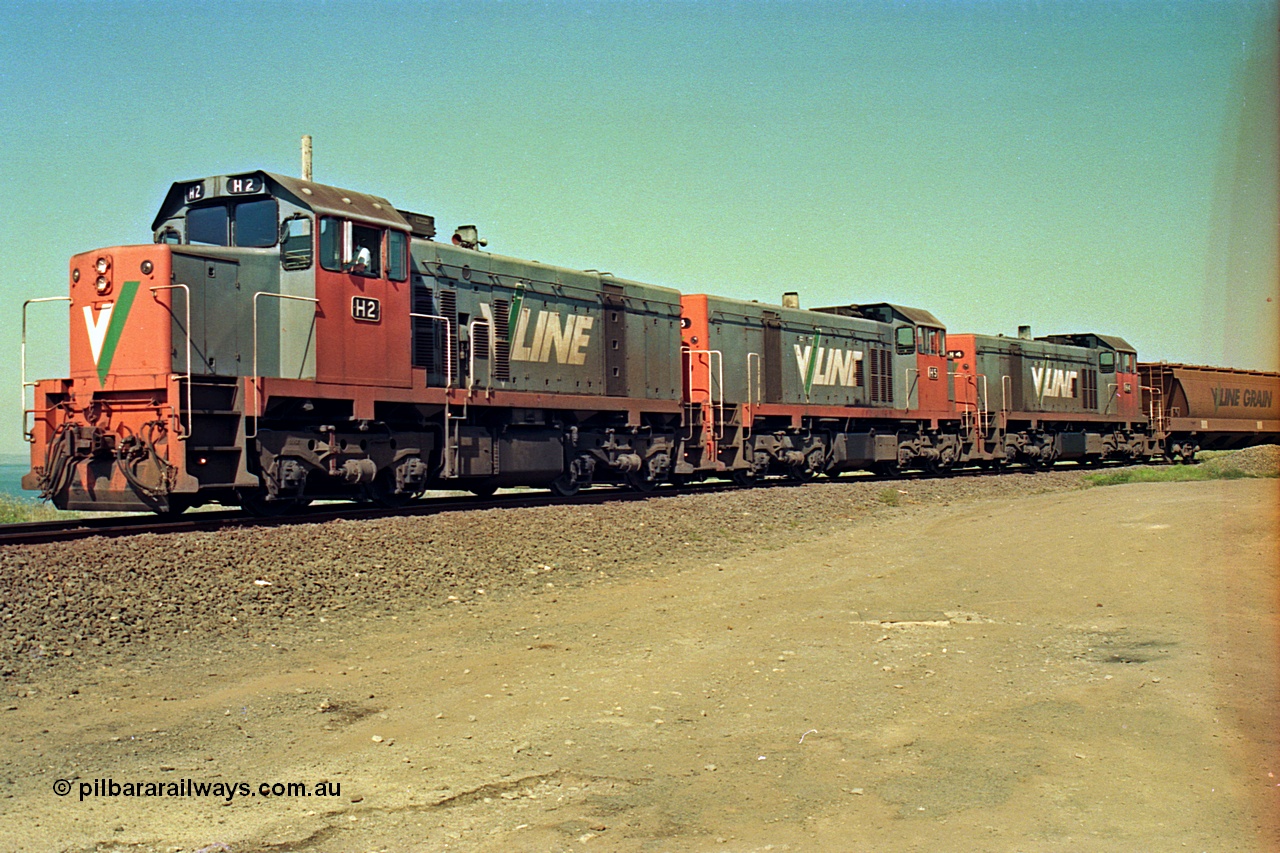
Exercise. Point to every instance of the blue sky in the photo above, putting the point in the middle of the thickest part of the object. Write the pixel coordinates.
(1076, 166)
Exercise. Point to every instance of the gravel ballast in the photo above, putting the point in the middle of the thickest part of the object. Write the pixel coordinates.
(73, 604)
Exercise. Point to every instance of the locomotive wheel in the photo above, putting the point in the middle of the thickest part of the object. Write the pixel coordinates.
(255, 503)
(382, 492)
(745, 477)
(483, 490)
(564, 486)
(800, 473)
(641, 482)
(177, 506)
(887, 469)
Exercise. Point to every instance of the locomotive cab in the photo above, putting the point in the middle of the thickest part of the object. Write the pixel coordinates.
(920, 353)
(1118, 382)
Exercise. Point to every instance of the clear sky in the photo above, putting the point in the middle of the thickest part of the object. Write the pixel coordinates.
(1074, 165)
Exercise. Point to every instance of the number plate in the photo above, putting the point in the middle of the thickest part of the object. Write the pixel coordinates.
(366, 309)
(244, 184)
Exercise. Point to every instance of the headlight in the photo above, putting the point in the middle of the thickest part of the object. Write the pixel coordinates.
(102, 285)
(101, 266)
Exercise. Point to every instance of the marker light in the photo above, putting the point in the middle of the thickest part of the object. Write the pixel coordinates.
(75, 275)
(147, 267)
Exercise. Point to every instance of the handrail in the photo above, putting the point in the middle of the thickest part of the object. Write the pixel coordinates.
(753, 400)
(257, 397)
(448, 344)
(450, 462)
(906, 380)
(29, 436)
(183, 434)
(716, 356)
(471, 354)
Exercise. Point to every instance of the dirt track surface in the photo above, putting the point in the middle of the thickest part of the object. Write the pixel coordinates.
(1073, 670)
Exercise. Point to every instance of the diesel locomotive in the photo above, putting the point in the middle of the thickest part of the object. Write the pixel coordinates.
(282, 341)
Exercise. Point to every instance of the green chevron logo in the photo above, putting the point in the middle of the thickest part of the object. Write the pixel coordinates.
(105, 329)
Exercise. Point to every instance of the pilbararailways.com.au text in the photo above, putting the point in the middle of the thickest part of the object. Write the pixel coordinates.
(193, 788)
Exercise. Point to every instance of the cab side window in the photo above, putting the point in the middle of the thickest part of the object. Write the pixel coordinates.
(929, 341)
(1106, 362)
(366, 251)
(331, 243)
(906, 340)
(397, 255)
(295, 242)
(350, 247)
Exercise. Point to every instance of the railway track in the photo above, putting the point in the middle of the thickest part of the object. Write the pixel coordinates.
(40, 532)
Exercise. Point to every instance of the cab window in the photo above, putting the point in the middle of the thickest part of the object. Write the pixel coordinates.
(366, 251)
(397, 255)
(251, 224)
(350, 247)
(1106, 362)
(254, 223)
(295, 242)
(906, 340)
(331, 243)
(208, 226)
(929, 341)
(1127, 360)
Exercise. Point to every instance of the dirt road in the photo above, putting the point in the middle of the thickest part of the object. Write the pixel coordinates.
(1074, 671)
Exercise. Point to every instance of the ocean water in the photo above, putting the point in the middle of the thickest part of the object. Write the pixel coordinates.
(11, 480)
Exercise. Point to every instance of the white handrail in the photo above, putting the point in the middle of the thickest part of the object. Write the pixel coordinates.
(713, 355)
(184, 434)
(448, 345)
(753, 399)
(471, 353)
(906, 381)
(30, 436)
(257, 397)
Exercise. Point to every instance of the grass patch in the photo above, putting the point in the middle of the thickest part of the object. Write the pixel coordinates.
(1164, 474)
(889, 497)
(17, 510)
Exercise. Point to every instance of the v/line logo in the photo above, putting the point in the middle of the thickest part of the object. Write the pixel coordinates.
(1054, 382)
(104, 330)
(821, 365)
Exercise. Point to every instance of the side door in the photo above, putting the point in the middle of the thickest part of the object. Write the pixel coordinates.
(363, 324)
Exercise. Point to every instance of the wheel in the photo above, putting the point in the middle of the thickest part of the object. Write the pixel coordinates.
(564, 486)
(483, 490)
(887, 469)
(382, 491)
(745, 477)
(800, 473)
(175, 508)
(641, 481)
(255, 503)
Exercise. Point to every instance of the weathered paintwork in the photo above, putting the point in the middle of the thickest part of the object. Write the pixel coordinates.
(1214, 406)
